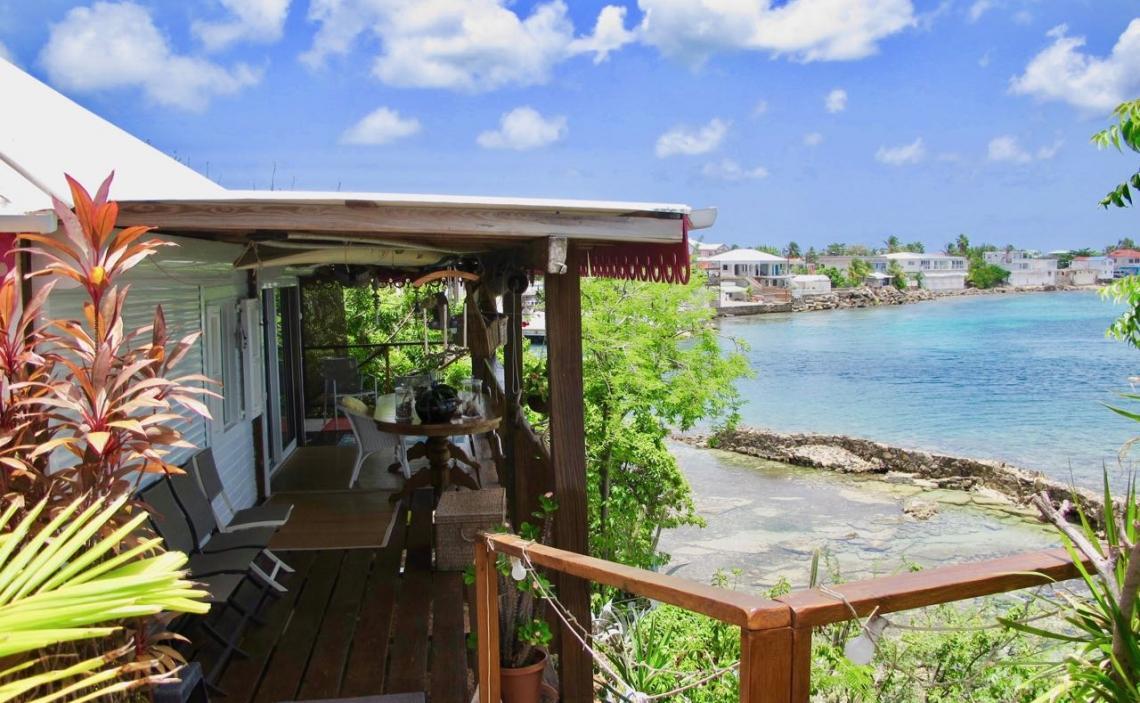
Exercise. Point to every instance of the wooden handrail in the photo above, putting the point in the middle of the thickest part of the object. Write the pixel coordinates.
(734, 607)
(775, 664)
(812, 608)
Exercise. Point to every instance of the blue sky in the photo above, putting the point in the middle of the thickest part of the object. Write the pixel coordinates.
(806, 120)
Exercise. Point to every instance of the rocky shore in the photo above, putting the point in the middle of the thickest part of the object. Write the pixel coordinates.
(845, 298)
(985, 478)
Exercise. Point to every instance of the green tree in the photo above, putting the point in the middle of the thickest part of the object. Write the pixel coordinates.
(898, 276)
(1124, 134)
(892, 243)
(793, 250)
(769, 249)
(915, 247)
(838, 278)
(983, 275)
(812, 256)
(652, 361)
(858, 250)
(836, 249)
(857, 272)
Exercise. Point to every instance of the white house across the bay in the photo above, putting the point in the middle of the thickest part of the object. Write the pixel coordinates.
(1024, 268)
(767, 269)
(939, 271)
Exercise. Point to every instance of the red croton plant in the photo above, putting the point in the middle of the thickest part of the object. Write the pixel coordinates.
(88, 408)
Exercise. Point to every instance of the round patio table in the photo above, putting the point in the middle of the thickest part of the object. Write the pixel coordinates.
(436, 447)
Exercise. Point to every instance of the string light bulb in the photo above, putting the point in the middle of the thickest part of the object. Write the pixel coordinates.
(861, 650)
(518, 571)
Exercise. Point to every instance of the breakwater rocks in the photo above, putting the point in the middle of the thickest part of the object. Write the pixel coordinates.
(864, 297)
(986, 478)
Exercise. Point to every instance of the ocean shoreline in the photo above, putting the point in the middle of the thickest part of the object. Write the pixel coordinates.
(864, 297)
(893, 464)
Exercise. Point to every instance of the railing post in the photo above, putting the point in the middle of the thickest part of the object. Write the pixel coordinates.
(487, 622)
(766, 665)
(801, 664)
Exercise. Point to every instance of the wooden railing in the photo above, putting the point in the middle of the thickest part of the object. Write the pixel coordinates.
(775, 634)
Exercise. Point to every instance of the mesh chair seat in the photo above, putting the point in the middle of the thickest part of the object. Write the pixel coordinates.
(245, 539)
(268, 515)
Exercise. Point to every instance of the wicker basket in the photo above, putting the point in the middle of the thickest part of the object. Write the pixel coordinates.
(458, 518)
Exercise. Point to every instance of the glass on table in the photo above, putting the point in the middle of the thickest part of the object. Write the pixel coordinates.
(405, 403)
(471, 398)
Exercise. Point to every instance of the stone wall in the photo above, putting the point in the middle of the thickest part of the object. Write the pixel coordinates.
(845, 298)
(853, 455)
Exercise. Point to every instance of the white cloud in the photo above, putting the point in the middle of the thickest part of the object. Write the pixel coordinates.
(251, 20)
(729, 170)
(1006, 148)
(813, 139)
(902, 155)
(381, 126)
(6, 54)
(1063, 72)
(807, 30)
(1023, 17)
(467, 45)
(836, 100)
(609, 34)
(116, 45)
(979, 8)
(760, 108)
(683, 140)
(523, 128)
(1045, 153)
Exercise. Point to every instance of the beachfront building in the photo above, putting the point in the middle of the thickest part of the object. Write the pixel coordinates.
(767, 270)
(877, 263)
(1093, 269)
(938, 271)
(703, 250)
(1126, 262)
(1025, 268)
(806, 286)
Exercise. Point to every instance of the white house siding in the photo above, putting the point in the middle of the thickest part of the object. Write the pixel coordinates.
(944, 281)
(183, 280)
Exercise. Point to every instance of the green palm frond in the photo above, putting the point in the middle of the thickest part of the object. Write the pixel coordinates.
(67, 581)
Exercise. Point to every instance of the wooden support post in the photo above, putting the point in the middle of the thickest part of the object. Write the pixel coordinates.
(766, 660)
(801, 664)
(515, 466)
(487, 622)
(568, 454)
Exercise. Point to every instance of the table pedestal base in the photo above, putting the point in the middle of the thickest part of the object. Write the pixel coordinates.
(441, 473)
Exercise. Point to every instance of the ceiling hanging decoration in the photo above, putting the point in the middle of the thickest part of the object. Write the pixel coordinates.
(668, 263)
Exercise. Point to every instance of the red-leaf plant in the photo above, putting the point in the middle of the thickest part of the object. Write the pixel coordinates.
(109, 397)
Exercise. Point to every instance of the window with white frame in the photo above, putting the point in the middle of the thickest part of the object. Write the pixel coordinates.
(223, 363)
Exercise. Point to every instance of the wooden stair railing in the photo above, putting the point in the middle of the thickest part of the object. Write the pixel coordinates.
(775, 634)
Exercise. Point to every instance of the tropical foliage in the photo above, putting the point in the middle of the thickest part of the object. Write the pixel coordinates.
(87, 408)
(652, 361)
(62, 583)
(1125, 134)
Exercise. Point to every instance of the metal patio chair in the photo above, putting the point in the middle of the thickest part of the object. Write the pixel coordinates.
(265, 515)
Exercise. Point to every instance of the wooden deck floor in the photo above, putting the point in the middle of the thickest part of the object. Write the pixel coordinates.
(358, 622)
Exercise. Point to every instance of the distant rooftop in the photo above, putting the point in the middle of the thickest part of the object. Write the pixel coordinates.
(1125, 254)
(744, 256)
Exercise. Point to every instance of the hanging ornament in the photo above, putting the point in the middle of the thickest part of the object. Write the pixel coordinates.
(861, 650)
(518, 571)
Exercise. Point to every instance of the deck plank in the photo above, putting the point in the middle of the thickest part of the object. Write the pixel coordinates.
(241, 678)
(407, 665)
(282, 679)
(448, 643)
(365, 669)
(330, 649)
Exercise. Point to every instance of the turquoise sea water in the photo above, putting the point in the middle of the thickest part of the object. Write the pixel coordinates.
(1014, 377)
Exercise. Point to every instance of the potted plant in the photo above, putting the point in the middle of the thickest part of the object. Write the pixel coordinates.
(524, 634)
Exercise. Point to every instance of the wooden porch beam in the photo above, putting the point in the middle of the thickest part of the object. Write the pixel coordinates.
(568, 454)
(415, 223)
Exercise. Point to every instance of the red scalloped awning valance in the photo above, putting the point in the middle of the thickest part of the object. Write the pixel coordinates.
(667, 263)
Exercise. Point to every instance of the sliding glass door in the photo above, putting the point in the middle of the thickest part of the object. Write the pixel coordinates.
(282, 370)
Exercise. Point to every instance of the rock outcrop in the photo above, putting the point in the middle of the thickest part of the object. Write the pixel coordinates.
(928, 470)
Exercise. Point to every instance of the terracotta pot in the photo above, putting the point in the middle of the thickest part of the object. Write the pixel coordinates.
(522, 685)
